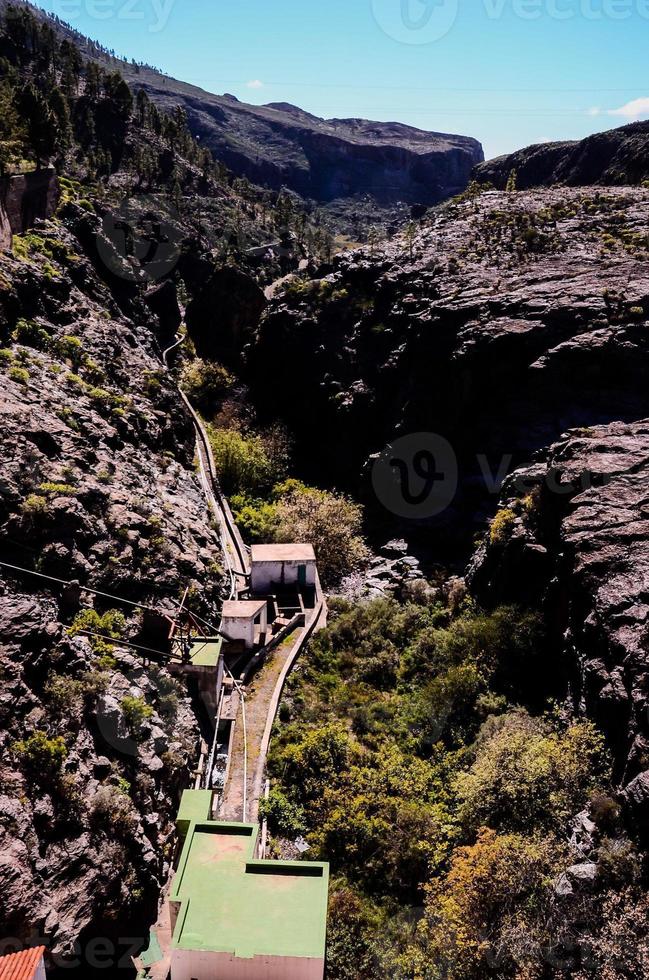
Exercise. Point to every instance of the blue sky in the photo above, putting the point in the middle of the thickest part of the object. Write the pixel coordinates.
(509, 72)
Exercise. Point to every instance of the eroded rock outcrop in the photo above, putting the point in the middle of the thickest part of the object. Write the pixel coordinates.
(576, 544)
(505, 320)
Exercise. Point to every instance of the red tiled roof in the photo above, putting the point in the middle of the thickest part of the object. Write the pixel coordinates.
(21, 966)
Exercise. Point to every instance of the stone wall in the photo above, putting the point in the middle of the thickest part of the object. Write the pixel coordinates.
(23, 199)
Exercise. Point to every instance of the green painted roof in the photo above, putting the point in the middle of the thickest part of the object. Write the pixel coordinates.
(231, 903)
(204, 652)
(194, 805)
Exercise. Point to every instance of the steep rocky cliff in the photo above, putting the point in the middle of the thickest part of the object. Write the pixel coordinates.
(97, 485)
(617, 157)
(505, 320)
(577, 544)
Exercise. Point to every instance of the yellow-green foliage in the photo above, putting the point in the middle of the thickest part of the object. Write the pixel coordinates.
(70, 348)
(136, 712)
(58, 489)
(246, 462)
(34, 506)
(42, 755)
(31, 335)
(502, 527)
(530, 772)
(205, 384)
(111, 624)
(25, 246)
(491, 903)
(20, 375)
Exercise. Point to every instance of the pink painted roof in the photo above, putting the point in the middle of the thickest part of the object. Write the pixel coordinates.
(21, 966)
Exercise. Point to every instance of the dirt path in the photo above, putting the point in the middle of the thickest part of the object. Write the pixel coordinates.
(259, 695)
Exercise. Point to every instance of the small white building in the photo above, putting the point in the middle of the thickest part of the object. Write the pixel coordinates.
(245, 621)
(278, 567)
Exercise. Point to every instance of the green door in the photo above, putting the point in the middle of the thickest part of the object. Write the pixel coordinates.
(301, 576)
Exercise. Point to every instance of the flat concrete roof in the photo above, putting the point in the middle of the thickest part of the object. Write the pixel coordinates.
(282, 552)
(195, 805)
(246, 609)
(233, 904)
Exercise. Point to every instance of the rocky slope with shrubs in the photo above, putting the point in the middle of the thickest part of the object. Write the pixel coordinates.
(97, 486)
(572, 535)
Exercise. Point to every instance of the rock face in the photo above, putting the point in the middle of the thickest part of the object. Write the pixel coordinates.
(23, 199)
(334, 162)
(507, 319)
(619, 156)
(224, 313)
(577, 545)
(97, 485)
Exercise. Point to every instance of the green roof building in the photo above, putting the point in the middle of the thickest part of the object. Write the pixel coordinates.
(236, 918)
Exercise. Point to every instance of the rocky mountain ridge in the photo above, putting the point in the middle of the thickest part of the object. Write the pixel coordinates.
(616, 157)
(358, 171)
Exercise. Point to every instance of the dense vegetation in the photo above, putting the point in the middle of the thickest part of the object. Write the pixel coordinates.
(412, 755)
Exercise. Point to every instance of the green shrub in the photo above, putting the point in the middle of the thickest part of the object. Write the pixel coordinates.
(20, 375)
(245, 463)
(136, 713)
(205, 384)
(6, 356)
(502, 527)
(30, 334)
(284, 818)
(257, 519)
(107, 399)
(70, 349)
(58, 489)
(111, 624)
(41, 755)
(35, 507)
(527, 772)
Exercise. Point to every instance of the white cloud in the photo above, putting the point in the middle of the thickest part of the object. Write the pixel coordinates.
(632, 111)
(255, 83)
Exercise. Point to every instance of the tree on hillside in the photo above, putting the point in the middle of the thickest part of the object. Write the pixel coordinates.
(330, 522)
(42, 129)
(12, 130)
(119, 93)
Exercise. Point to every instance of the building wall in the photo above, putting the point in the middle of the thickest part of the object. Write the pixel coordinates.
(40, 971)
(189, 964)
(279, 574)
(239, 629)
